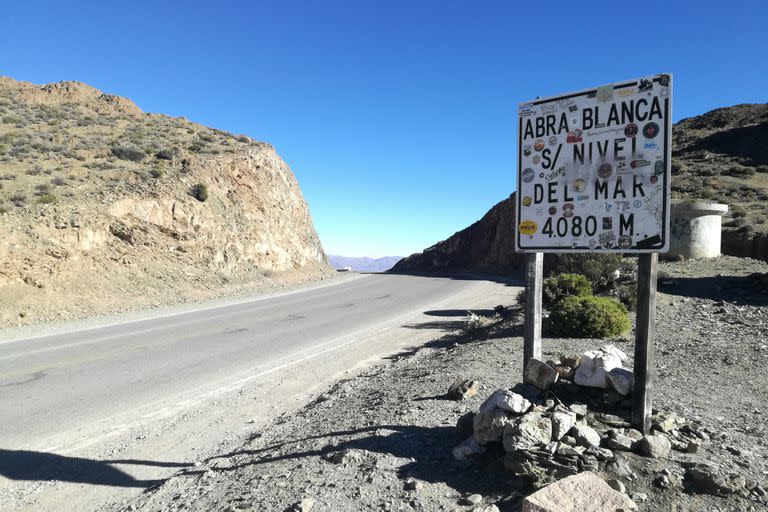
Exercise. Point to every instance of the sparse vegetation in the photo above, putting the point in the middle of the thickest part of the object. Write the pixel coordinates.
(18, 199)
(557, 288)
(474, 324)
(165, 154)
(199, 191)
(599, 269)
(47, 199)
(589, 317)
(128, 153)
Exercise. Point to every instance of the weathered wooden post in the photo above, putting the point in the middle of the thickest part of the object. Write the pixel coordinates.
(593, 176)
(534, 278)
(642, 394)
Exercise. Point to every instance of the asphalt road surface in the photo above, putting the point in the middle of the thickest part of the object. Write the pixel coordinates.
(57, 390)
(93, 413)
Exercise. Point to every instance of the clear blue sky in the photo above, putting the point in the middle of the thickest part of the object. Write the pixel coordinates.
(399, 117)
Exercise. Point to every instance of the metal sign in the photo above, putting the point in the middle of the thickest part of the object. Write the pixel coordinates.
(594, 169)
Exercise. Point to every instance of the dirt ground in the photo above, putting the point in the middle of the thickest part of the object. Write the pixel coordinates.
(382, 440)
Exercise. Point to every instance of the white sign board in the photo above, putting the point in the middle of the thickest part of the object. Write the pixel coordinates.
(594, 169)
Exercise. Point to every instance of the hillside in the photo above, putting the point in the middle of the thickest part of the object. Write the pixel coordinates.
(486, 246)
(105, 208)
(363, 264)
(719, 156)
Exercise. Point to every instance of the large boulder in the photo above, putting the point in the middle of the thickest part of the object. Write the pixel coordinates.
(595, 364)
(578, 493)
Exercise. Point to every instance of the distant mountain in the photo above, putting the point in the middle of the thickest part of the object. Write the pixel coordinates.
(363, 264)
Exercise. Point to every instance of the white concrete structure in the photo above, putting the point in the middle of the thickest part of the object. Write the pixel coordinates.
(695, 229)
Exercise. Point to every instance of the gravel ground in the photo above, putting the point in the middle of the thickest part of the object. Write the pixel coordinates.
(382, 440)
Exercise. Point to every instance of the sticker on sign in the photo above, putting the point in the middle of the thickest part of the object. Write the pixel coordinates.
(594, 169)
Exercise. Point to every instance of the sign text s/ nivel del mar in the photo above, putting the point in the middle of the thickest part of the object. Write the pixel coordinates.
(594, 169)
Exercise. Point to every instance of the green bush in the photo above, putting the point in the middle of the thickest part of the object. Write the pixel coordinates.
(555, 289)
(626, 293)
(589, 317)
(128, 153)
(165, 154)
(199, 192)
(599, 269)
(156, 172)
(47, 199)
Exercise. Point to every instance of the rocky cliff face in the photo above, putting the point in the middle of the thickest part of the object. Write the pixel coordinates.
(107, 208)
(485, 246)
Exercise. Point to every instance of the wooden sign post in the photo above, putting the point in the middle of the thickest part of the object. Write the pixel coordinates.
(594, 176)
(533, 284)
(642, 393)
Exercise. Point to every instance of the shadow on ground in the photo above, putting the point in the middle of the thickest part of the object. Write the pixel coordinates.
(740, 290)
(421, 452)
(41, 466)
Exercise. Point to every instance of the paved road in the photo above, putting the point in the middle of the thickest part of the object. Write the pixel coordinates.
(61, 387)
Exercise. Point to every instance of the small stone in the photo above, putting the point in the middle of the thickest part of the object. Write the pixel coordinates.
(619, 442)
(620, 468)
(465, 425)
(570, 451)
(304, 505)
(474, 499)
(617, 485)
(633, 434)
(588, 463)
(562, 422)
(654, 446)
(569, 440)
(622, 380)
(580, 409)
(463, 389)
(600, 453)
(639, 497)
(662, 482)
(468, 449)
(540, 374)
(506, 400)
(489, 508)
(704, 478)
(668, 422)
(412, 484)
(586, 436)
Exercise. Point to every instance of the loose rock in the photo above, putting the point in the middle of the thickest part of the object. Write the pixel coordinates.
(622, 380)
(562, 422)
(705, 478)
(586, 436)
(527, 432)
(463, 389)
(540, 374)
(654, 446)
(578, 493)
(489, 425)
